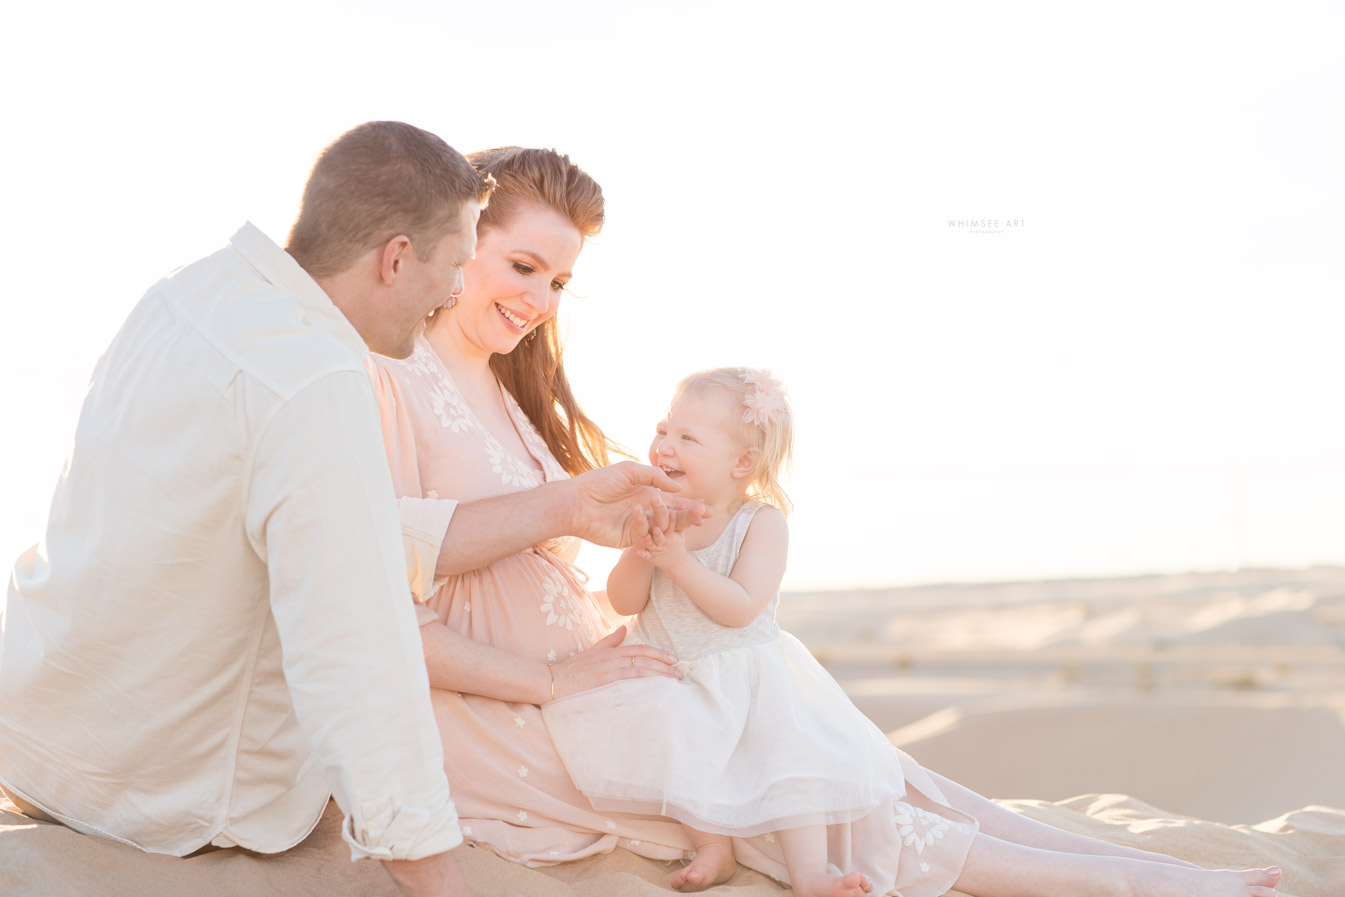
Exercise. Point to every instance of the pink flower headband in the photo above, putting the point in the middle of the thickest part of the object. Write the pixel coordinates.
(765, 402)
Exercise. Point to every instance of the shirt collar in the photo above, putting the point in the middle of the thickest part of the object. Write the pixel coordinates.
(280, 268)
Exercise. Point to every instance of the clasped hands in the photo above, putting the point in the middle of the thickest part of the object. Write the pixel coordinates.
(621, 504)
(661, 548)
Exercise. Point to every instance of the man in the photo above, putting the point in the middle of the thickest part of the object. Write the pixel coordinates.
(215, 631)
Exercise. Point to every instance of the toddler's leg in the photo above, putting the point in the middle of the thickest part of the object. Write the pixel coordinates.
(713, 863)
(805, 851)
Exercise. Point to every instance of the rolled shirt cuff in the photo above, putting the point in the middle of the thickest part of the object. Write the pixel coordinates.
(382, 832)
(424, 523)
(425, 616)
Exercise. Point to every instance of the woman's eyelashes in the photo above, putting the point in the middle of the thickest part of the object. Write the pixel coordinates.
(527, 270)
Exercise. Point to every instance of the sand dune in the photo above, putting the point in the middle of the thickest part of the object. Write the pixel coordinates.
(1218, 697)
(40, 860)
(1229, 758)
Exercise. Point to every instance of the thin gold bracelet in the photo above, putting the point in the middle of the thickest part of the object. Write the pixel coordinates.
(553, 681)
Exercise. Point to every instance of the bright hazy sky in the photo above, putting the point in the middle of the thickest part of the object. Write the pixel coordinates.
(1143, 375)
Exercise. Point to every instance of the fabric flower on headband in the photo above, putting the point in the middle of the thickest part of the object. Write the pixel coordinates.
(765, 401)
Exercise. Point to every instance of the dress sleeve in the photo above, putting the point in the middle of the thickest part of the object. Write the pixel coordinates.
(320, 514)
(424, 520)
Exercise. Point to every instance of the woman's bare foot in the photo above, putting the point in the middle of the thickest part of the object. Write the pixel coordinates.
(1155, 880)
(713, 864)
(821, 884)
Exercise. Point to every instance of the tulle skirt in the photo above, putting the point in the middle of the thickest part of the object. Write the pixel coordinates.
(754, 739)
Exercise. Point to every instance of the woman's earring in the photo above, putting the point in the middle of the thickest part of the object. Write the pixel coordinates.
(452, 301)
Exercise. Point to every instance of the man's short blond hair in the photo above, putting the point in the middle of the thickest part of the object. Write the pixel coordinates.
(378, 180)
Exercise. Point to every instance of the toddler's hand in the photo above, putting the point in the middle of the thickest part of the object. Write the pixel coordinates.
(660, 548)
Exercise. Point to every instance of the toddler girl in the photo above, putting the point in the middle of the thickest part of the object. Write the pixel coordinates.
(757, 742)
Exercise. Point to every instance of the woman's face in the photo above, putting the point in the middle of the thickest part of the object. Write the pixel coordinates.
(514, 283)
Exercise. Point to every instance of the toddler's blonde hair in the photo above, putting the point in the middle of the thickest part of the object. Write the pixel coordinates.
(766, 423)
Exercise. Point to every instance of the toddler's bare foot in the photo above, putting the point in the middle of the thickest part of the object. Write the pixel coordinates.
(713, 864)
(823, 885)
(1161, 881)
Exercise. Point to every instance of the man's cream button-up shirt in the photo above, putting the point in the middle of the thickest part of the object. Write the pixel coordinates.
(216, 630)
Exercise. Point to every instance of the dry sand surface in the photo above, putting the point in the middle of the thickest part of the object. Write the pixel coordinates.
(1216, 695)
(1213, 703)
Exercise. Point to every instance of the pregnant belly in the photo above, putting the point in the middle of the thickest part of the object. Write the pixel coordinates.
(532, 604)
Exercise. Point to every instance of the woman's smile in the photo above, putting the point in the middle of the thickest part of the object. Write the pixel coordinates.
(518, 322)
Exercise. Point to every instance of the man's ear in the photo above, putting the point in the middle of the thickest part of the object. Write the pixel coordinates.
(392, 258)
(746, 464)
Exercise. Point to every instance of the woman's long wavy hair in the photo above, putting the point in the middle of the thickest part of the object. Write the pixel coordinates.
(534, 373)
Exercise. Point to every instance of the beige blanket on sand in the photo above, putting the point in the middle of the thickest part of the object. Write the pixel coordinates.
(45, 860)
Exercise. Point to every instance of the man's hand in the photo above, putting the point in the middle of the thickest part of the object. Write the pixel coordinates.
(617, 505)
(432, 876)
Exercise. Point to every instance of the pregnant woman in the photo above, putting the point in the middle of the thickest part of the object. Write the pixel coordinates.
(481, 409)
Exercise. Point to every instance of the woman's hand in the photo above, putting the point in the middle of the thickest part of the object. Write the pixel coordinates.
(608, 661)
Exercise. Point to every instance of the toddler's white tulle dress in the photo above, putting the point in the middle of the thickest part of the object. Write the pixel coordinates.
(757, 737)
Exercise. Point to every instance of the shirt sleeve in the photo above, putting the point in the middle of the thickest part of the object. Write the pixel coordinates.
(424, 520)
(321, 515)
(424, 523)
